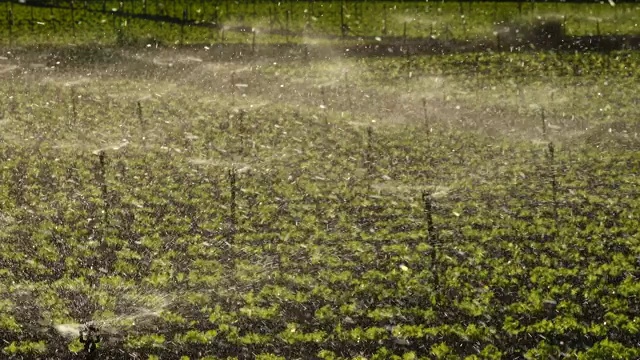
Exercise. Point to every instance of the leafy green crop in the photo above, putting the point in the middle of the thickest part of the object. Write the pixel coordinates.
(142, 23)
(389, 208)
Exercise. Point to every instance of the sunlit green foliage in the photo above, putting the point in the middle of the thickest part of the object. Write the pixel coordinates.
(326, 252)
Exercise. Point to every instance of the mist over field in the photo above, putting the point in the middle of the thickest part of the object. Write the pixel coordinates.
(319, 180)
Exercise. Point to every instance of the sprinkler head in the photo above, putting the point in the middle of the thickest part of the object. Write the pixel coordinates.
(90, 337)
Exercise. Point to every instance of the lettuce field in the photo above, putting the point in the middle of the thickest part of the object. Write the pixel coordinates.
(189, 202)
(61, 22)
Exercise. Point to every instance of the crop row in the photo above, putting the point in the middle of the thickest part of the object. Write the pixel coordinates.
(108, 21)
(210, 226)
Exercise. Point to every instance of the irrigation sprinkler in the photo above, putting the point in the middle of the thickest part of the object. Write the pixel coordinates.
(240, 127)
(369, 153)
(533, 10)
(464, 25)
(342, 24)
(346, 90)
(33, 20)
(520, 8)
(432, 236)
(477, 75)
(19, 177)
(90, 337)
(554, 186)
(143, 124)
(544, 123)
(184, 21)
(357, 9)
(118, 29)
(253, 41)
(73, 19)
(233, 87)
(384, 19)
(426, 115)
(519, 95)
(287, 20)
(10, 22)
(291, 9)
(324, 105)
(447, 32)
(102, 178)
(74, 107)
(232, 202)
(404, 35)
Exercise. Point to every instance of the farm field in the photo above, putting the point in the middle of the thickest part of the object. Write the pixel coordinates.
(312, 22)
(194, 203)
